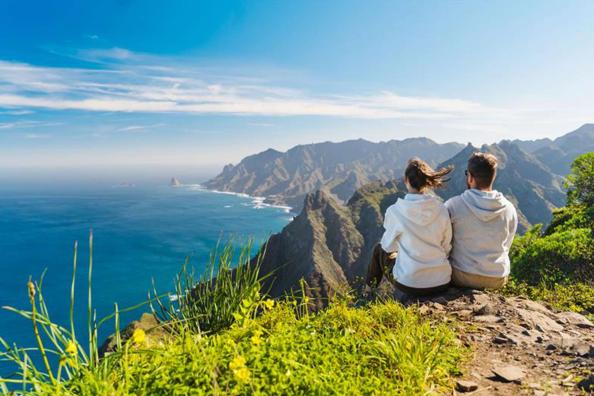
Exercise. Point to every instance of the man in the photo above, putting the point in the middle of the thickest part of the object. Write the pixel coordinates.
(484, 223)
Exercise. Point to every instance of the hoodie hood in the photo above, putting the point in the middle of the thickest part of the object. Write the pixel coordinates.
(485, 205)
(421, 209)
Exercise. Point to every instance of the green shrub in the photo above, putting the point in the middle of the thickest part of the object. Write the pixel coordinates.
(561, 257)
(580, 182)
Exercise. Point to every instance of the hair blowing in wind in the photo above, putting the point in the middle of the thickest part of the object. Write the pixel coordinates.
(421, 176)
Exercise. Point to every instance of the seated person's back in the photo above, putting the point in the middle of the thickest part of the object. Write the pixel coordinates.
(484, 223)
(418, 228)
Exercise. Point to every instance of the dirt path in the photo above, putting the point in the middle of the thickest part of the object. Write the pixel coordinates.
(520, 347)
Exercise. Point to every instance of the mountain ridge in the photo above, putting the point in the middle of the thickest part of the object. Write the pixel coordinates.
(339, 168)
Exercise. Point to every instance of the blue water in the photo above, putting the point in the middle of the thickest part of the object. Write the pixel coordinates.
(140, 233)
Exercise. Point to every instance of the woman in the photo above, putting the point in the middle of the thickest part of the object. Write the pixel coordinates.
(419, 230)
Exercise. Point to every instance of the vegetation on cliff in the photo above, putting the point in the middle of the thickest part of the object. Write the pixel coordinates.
(556, 263)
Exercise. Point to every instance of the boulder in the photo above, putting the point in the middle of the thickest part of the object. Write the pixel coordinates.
(509, 373)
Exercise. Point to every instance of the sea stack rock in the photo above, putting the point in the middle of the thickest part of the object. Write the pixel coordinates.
(174, 182)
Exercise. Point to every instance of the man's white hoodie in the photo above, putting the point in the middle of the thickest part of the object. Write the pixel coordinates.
(484, 225)
(418, 227)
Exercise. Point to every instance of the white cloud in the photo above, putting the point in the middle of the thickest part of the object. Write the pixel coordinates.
(139, 128)
(27, 124)
(36, 136)
(130, 82)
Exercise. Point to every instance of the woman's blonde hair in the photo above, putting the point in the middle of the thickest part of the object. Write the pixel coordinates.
(421, 176)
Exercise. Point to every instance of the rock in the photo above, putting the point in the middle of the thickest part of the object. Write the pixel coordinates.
(537, 307)
(440, 300)
(509, 373)
(463, 313)
(466, 386)
(575, 319)
(488, 319)
(538, 320)
(500, 340)
(147, 322)
(486, 309)
(480, 298)
(582, 349)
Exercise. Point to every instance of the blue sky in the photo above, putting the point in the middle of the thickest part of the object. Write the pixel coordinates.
(204, 83)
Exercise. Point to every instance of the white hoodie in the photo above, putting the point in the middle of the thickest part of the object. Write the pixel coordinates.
(484, 224)
(419, 228)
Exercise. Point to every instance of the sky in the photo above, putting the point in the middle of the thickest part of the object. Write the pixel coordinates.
(202, 83)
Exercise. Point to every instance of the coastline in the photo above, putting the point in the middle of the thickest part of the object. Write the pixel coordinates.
(258, 202)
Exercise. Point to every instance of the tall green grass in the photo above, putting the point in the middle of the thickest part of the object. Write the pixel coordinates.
(228, 292)
(61, 354)
(212, 301)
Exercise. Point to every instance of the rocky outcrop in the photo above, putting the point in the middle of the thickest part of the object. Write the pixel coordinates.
(328, 244)
(519, 346)
(154, 331)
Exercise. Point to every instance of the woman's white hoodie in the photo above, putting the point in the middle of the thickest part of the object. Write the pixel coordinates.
(418, 227)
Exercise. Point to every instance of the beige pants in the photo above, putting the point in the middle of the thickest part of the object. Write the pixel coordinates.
(464, 279)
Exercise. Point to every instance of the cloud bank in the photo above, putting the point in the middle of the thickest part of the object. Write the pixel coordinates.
(122, 81)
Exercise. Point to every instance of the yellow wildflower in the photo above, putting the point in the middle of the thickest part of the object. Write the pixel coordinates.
(71, 348)
(256, 340)
(242, 374)
(268, 304)
(138, 336)
(237, 363)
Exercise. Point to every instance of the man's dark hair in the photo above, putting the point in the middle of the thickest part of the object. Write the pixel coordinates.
(483, 168)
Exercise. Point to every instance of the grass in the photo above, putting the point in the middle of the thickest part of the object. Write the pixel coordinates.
(211, 302)
(577, 297)
(230, 339)
(382, 348)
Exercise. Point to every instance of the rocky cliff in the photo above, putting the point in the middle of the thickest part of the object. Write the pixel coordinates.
(329, 243)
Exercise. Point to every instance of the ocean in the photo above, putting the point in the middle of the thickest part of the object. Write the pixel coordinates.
(140, 233)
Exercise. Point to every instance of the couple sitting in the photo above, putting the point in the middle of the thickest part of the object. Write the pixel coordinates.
(428, 244)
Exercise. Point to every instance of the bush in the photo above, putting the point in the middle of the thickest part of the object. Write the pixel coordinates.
(560, 257)
(580, 182)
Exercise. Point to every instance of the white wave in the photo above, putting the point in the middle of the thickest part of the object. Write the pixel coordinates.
(256, 202)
